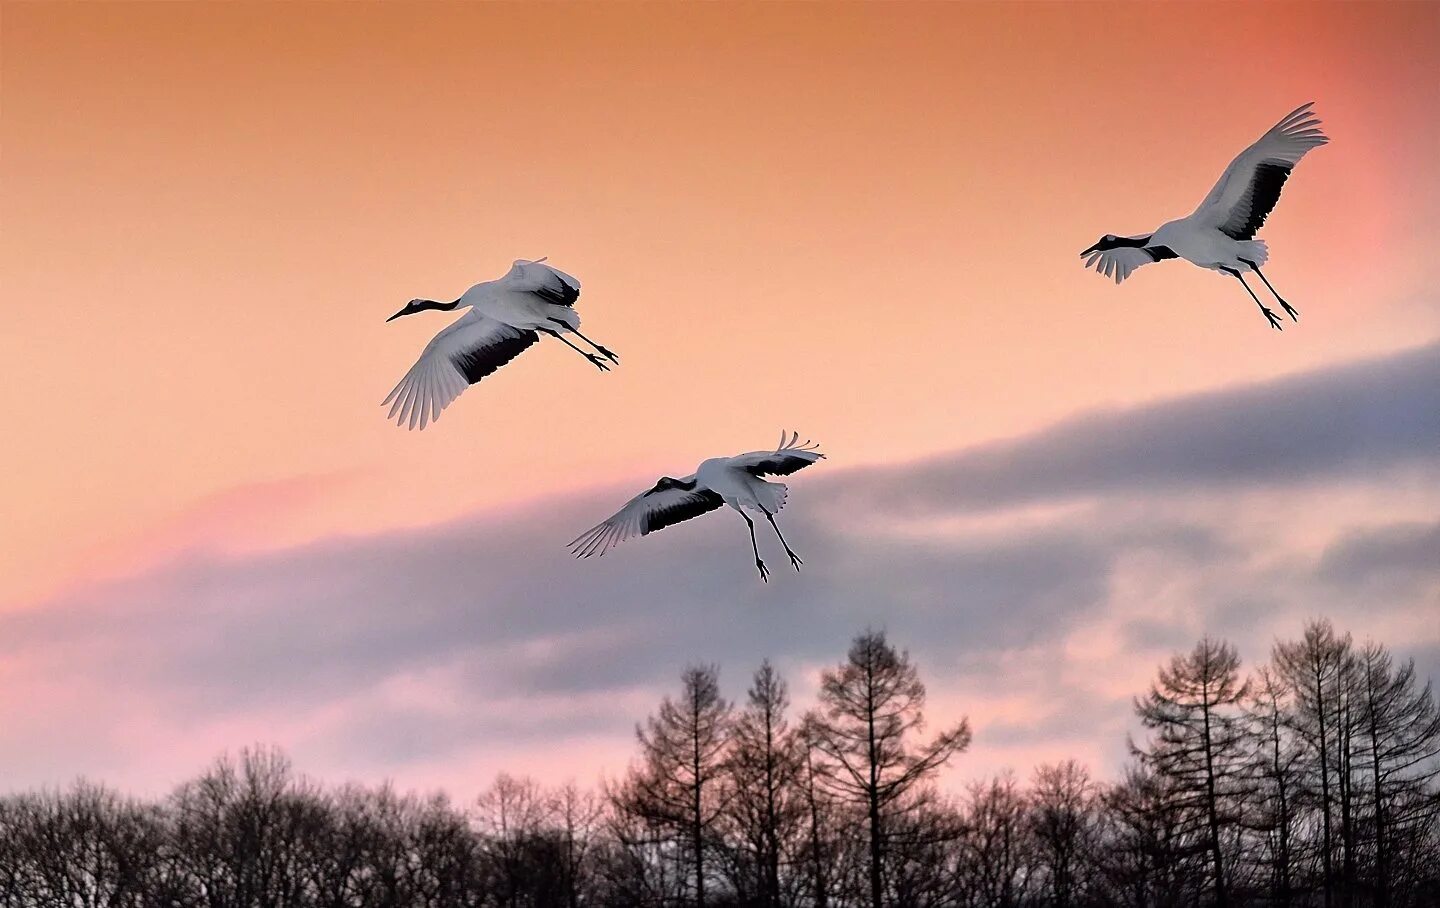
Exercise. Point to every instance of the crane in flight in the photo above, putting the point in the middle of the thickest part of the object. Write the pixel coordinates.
(1220, 234)
(506, 316)
(735, 481)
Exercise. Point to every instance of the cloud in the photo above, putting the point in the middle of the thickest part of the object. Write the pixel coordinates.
(1037, 581)
(1407, 553)
(1369, 416)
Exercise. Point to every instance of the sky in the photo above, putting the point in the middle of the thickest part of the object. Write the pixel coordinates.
(859, 221)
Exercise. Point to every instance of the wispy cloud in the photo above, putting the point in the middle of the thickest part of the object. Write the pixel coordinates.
(1037, 580)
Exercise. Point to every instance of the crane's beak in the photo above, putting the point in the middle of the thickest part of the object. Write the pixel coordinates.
(1094, 248)
(405, 311)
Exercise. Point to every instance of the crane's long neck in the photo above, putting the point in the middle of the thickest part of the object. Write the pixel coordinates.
(422, 305)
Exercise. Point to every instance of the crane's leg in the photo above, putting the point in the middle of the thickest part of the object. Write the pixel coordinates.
(1289, 309)
(795, 561)
(597, 361)
(603, 351)
(759, 565)
(1270, 315)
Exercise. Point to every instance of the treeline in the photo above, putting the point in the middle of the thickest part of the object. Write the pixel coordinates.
(1314, 780)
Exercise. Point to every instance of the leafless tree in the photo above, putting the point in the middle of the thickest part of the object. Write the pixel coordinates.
(1064, 823)
(1200, 742)
(678, 784)
(765, 808)
(871, 706)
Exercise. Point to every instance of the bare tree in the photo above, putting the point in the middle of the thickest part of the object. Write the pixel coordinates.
(1401, 728)
(1152, 843)
(765, 808)
(678, 783)
(1201, 743)
(1276, 760)
(870, 708)
(1064, 825)
(1314, 668)
(995, 844)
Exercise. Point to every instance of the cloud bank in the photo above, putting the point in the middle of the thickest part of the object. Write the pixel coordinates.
(1037, 581)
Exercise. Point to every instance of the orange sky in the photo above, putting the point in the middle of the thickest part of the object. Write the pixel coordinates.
(859, 220)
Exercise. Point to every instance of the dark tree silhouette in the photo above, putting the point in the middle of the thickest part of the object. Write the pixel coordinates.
(1200, 743)
(1314, 668)
(1064, 821)
(870, 707)
(765, 809)
(1321, 784)
(678, 784)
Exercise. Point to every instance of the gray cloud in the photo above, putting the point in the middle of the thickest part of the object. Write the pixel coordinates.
(1400, 555)
(502, 604)
(1366, 417)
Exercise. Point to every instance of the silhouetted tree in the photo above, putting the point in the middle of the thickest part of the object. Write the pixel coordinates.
(1314, 668)
(765, 809)
(995, 844)
(870, 706)
(787, 816)
(1154, 849)
(678, 783)
(1064, 821)
(1276, 759)
(1200, 742)
(1401, 731)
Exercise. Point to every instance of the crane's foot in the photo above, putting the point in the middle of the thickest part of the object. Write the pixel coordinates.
(795, 561)
(1290, 310)
(598, 362)
(605, 352)
(1274, 321)
(764, 572)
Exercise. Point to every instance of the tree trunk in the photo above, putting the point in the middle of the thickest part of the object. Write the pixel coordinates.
(1212, 810)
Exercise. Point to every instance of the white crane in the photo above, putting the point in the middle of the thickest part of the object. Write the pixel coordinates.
(1219, 235)
(718, 481)
(505, 317)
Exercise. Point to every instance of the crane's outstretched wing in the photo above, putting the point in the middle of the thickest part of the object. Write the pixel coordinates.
(1250, 186)
(550, 284)
(669, 502)
(459, 356)
(1122, 261)
(784, 460)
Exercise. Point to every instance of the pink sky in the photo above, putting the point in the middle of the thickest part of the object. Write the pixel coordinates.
(860, 221)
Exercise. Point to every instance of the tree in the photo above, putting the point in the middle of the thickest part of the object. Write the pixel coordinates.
(241, 831)
(765, 808)
(1276, 760)
(1314, 668)
(513, 816)
(1063, 823)
(1151, 843)
(1200, 742)
(870, 707)
(1401, 729)
(995, 843)
(677, 786)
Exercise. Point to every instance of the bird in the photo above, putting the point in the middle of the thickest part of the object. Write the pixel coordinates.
(506, 316)
(735, 481)
(1219, 235)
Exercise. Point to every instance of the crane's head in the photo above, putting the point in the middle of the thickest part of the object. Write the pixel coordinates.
(1111, 241)
(415, 306)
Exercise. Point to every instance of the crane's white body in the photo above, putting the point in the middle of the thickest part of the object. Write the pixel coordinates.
(1205, 246)
(518, 308)
(740, 489)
